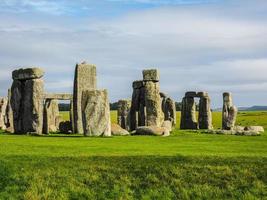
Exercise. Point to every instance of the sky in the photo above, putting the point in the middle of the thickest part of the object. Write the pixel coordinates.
(197, 45)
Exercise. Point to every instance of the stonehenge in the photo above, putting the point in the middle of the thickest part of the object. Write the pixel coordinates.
(229, 112)
(28, 109)
(188, 113)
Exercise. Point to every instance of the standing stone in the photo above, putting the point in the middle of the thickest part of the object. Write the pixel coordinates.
(135, 107)
(123, 113)
(168, 108)
(3, 108)
(27, 93)
(188, 114)
(51, 116)
(229, 112)
(85, 79)
(96, 113)
(154, 114)
(205, 115)
(9, 115)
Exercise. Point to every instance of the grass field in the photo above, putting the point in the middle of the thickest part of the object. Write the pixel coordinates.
(186, 165)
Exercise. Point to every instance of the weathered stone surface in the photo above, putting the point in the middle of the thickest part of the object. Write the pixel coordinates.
(138, 84)
(202, 94)
(234, 132)
(188, 114)
(85, 79)
(154, 114)
(123, 114)
(229, 112)
(191, 94)
(168, 125)
(51, 116)
(9, 115)
(151, 75)
(58, 96)
(27, 105)
(168, 108)
(205, 115)
(27, 74)
(239, 128)
(3, 108)
(152, 130)
(254, 128)
(116, 130)
(96, 113)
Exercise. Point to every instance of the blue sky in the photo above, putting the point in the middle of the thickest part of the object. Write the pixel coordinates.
(210, 45)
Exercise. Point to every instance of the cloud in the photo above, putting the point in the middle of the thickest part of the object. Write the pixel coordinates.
(196, 47)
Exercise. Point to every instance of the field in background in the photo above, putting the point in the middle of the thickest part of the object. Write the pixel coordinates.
(246, 118)
(186, 165)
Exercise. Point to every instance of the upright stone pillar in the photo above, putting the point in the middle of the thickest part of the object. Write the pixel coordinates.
(27, 93)
(9, 115)
(205, 115)
(51, 116)
(188, 113)
(169, 109)
(229, 112)
(96, 113)
(123, 114)
(135, 107)
(3, 108)
(154, 114)
(85, 79)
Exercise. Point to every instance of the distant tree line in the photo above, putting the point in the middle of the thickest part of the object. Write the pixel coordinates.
(64, 107)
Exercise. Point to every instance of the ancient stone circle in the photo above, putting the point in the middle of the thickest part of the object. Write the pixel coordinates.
(29, 110)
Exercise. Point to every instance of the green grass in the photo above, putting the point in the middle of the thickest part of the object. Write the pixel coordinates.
(186, 165)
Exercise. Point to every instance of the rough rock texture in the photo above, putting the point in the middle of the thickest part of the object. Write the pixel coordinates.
(116, 130)
(151, 75)
(3, 108)
(96, 113)
(51, 116)
(27, 104)
(58, 96)
(85, 79)
(9, 122)
(27, 74)
(254, 128)
(168, 108)
(234, 132)
(135, 116)
(154, 114)
(205, 115)
(191, 94)
(123, 114)
(188, 114)
(168, 125)
(152, 130)
(229, 112)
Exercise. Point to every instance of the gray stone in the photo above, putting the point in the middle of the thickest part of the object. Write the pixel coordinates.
(116, 130)
(152, 130)
(27, 74)
(168, 108)
(58, 96)
(205, 115)
(85, 79)
(202, 94)
(151, 75)
(254, 128)
(154, 114)
(235, 132)
(27, 105)
(51, 116)
(168, 125)
(138, 84)
(229, 112)
(9, 122)
(188, 114)
(123, 114)
(3, 108)
(96, 113)
(191, 94)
